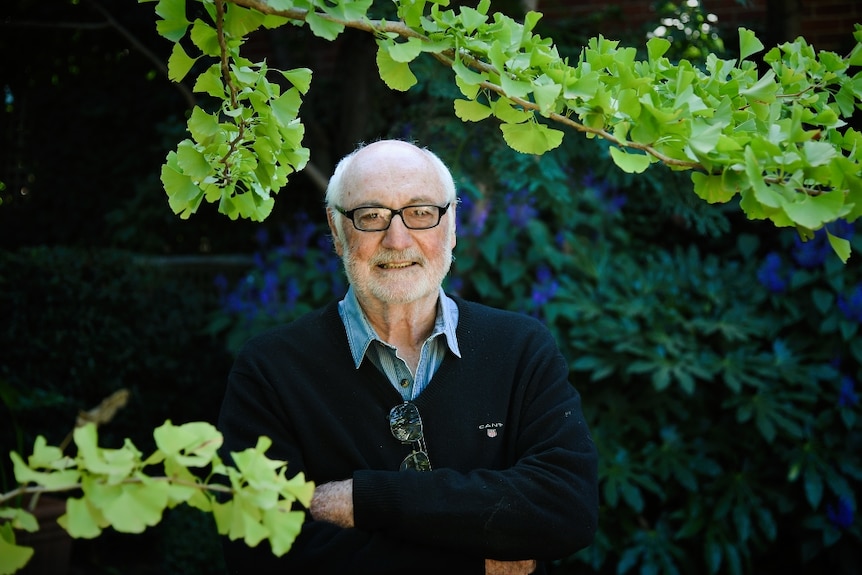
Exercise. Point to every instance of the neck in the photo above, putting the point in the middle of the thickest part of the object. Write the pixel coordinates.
(405, 326)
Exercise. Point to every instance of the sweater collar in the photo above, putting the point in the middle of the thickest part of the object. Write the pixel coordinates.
(360, 334)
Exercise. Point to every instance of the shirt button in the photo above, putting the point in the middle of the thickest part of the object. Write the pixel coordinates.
(405, 382)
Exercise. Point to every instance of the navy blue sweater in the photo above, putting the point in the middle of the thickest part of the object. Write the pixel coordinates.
(514, 467)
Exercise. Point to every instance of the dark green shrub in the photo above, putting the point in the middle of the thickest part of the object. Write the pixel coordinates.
(719, 360)
(719, 377)
(79, 324)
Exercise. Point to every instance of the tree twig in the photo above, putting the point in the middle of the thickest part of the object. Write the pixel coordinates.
(146, 52)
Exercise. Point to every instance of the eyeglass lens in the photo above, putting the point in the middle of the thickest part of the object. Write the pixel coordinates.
(406, 426)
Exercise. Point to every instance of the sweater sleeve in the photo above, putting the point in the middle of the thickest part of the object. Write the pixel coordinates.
(544, 505)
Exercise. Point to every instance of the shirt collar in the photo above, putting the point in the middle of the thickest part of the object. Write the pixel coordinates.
(360, 334)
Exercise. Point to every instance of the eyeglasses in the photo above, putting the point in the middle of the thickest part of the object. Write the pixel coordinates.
(406, 425)
(378, 219)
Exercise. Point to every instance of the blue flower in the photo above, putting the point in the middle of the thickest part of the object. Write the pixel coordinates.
(847, 396)
(519, 207)
(544, 289)
(560, 239)
(771, 275)
(842, 229)
(611, 199)
(291, 293)
(261, 236)
(851, 306)
(840, 515)
(221, 284)
(269, 290)
(324, 243)
(812, 253)
(295, 238)
(454, 284)
(472, 216)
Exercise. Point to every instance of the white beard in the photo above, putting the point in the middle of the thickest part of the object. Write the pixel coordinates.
(410, 285)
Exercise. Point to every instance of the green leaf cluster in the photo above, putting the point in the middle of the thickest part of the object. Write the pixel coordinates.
(250, 500)
(779, 141)
(241, 154)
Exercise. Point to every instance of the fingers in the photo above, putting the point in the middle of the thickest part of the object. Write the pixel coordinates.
(494, 567)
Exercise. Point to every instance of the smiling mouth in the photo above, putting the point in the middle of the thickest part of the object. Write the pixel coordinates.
(396, 266)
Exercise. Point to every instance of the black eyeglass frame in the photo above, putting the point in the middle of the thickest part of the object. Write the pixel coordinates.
(349, 214)
(405, 423)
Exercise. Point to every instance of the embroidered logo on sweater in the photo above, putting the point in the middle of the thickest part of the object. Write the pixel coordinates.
(491, 428)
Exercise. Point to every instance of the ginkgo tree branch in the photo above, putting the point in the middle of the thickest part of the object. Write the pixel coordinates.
(250, 498)
(128, 492)
(779, 141)
(567, 120)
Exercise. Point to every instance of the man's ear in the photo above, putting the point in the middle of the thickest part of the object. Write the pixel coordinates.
(333, 229)
(454, 233)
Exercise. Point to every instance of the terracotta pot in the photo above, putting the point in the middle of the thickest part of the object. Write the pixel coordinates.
(52, 544)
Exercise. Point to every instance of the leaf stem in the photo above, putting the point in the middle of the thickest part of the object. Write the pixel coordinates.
(39, 489)
(234, 102)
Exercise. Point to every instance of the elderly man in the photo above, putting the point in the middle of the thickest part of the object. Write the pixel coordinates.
(443, 435)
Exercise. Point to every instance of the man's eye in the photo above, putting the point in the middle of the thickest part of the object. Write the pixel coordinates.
(420, 212)
(370, 216)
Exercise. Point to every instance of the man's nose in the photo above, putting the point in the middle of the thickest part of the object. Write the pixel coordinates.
(398, 235)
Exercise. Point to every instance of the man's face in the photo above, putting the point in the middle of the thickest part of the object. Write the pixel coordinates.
(398, 265)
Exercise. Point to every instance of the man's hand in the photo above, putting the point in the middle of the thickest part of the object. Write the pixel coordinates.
(494, 567)
(333, 502)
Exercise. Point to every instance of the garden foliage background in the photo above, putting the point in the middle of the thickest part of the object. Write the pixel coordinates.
(719, 359)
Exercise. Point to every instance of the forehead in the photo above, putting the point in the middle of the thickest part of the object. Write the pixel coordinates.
(392, 175)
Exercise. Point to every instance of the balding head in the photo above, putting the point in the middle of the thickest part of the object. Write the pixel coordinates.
(387, 158)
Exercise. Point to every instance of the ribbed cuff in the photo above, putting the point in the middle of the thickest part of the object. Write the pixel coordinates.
(377, 499)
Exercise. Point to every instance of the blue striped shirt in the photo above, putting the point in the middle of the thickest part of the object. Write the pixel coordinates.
(364, 342)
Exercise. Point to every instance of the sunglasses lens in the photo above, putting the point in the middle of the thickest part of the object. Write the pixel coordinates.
(405, 422)
(406, 426)
(416, 461)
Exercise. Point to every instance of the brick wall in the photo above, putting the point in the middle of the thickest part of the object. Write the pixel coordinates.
(827, 24)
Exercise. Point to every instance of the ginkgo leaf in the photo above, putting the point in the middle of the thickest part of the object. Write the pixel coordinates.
(205, 37)
(814, 211)
(13, 557)
(630, 163)
(748, 43)
(396, 75)
(202, 126)
(82, 519)
(179, 63)
(300, 78)
(531, 137)
(471, 111)
(193, 163)
(405, 51)
(711, 188)
(841, 246)
(283, 525)
(132, 508)
(326, 29)
(174, 23)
